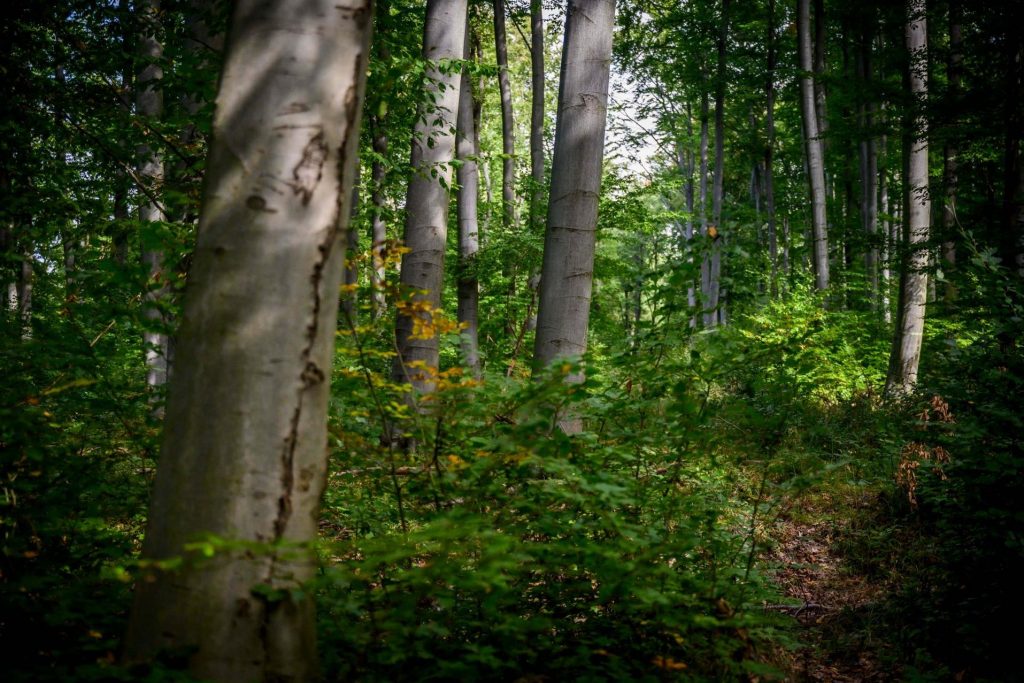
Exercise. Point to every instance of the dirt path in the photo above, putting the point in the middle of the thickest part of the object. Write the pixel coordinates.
(832, 603)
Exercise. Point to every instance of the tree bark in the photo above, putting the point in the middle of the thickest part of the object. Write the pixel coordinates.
(568, 268)
(468, 177)
(906, 348)
(508, 146)
(537, 115)
(149, 105)
(713, 315)
(426, 205)
(813, 147)
(243, 455)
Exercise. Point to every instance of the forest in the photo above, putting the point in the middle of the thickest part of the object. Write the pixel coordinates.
(511, 340)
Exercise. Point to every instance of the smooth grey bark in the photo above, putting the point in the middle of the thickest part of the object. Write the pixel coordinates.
(820, 41)
(426, 204)
(568, 268)
(468, 178)
(813, 146)
(950, 180)
(712, 295)
(243, 457)
(149, 105)
(906, 347)
(508, 143)
(537, 114)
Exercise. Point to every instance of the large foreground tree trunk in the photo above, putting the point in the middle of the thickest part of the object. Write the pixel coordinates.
(813, 146)
(426, 204)
(906, 347)
(244, 448)
(568, 270)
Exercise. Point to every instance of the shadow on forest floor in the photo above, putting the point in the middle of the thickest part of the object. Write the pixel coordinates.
(835, 605)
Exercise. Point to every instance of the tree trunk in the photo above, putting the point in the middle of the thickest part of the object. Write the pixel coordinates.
(426, 205)
(468, 178)
(814, 151)
(718, 185)
(379, 229)
(568, 269)
(243, 456)
(350, 275)
(888, 248)
(149, 105)
(705, 265)
(906, 348)
(508, 146)
(537, 115)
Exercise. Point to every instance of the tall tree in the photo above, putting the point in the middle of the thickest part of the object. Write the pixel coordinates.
(906, 347)
(568, 269)
(769, 149)
(243, 455)
(537, 113)
(868, 153)
(508, 142)
(713, 315)
(950, 179)
(149, 105)
(813, 146)
(468, 177)
(426, 205)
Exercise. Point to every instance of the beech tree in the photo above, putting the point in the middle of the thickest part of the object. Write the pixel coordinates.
(814, 147)
(468, 176)
(426, 205)
(243, 454)
(906, 346)
(568, 269)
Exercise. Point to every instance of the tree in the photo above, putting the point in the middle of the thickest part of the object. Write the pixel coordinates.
(906, 346)
(467, 149)
(149, 105)
(243, 454)
(426, 206)
(813, 147)
(568, 267)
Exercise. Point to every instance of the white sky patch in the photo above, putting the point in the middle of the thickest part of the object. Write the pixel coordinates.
(630, 142)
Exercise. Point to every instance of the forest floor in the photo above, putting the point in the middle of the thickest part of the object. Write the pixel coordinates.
(833, 602)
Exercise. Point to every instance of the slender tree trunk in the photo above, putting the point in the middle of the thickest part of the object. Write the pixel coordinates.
(888, 248)
(769, 153)
(468, 178)
(243, 456)
(149, 105)
(508, 146)
(906, 348)
(718, 185)
(950, 179)
(814, 151)
(568, 270)
(426, 206)
(379, 229)
(537, 115)
(820, 41)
